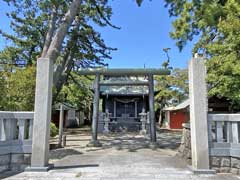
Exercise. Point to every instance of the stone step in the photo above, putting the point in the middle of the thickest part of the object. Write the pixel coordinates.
(125, 173)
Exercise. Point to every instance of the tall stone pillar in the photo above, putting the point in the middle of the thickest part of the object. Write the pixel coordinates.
(42, 115)
(151, 110)
(198, 115)
(95, 117)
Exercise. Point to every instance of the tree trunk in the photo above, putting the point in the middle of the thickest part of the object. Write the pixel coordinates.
(62, 76)
(63, 69)
(50, 32)
(57, 40)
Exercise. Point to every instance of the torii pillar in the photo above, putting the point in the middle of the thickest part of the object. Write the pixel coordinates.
(151, 110)
(94, 142)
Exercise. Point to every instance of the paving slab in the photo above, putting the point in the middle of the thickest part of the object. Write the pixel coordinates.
(124, 156)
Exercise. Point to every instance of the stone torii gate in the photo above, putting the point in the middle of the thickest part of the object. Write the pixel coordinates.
(198, 109)
(43, 106)
(123, 72)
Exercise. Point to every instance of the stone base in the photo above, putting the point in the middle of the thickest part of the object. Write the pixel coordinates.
(202, 171)
(94, 144)
(153, 145)
(106, 131)
(220, 164)
(143, 132)
(225, 164)
(39, 169)
(14, 162)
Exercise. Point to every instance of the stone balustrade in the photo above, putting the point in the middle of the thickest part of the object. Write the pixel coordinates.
(16, 130)
(224, 134)
(224, 142)
(224, 146)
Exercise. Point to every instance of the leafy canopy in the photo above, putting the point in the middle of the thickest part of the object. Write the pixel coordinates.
(17, 89)
(216, 23)
(31, 20)
(172, 89)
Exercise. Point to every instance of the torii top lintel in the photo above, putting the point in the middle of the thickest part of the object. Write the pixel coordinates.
(119, 72)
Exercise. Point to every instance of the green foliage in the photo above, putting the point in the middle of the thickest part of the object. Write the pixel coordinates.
(3, 93)
(218, 24)
(196, 18)
(53, 130)
(173, 88)
(139, 2)
(224, 65)
(77, 92)
(34, 24)
(30, 22)
(18, 89)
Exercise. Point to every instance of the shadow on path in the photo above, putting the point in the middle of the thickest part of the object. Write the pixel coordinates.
(75, 166)
(122, 156)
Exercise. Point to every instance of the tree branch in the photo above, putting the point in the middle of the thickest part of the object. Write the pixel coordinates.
(58, 38)
(51, 30)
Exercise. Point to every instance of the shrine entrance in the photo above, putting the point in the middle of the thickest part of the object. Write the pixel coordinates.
(125, 108)
(121, 113)
(127, 101)
(133, 78)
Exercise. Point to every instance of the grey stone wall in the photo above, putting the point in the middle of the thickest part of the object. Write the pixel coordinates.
(225, 164)
(184, 150)
(14, 162)
(220, 164)
(4, 162)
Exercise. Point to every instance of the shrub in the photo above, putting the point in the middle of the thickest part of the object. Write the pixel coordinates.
(53, 130)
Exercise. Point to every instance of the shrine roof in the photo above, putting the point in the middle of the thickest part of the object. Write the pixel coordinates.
(122, 88)
(65, 105)
(182, 105)
(116, 71)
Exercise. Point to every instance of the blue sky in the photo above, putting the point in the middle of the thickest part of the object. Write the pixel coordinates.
(144, 33)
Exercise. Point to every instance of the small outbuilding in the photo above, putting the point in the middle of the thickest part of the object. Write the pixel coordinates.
(175, 116)
(70, 115)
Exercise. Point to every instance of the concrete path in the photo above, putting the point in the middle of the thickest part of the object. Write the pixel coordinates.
(122, 157)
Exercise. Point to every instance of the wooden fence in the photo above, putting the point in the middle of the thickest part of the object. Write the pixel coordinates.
(16, 132)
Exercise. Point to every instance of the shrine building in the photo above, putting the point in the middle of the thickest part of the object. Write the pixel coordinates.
(124, 93)
(123, 103)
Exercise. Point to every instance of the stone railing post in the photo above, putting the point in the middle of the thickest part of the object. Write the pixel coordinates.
(42, 115)
(198, 115)
(10, 129)
(21, 129)
(2, 129)
(30, 131)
